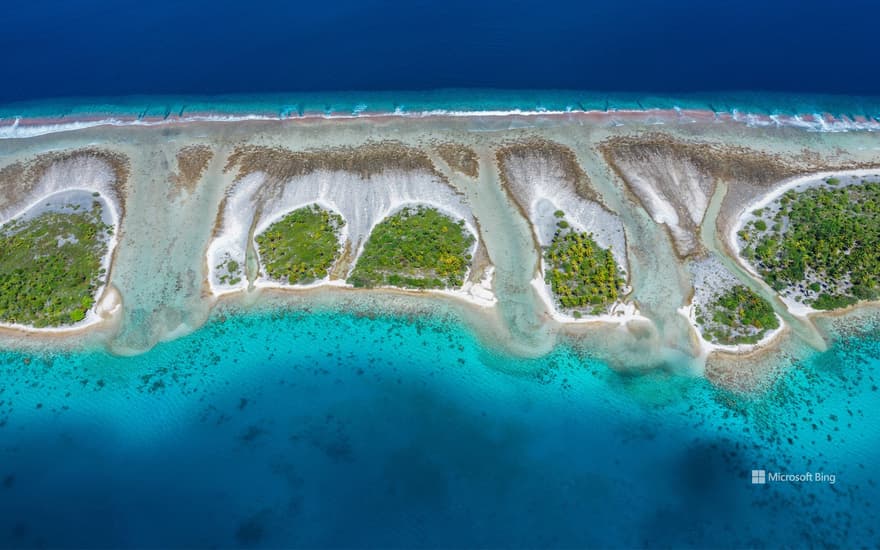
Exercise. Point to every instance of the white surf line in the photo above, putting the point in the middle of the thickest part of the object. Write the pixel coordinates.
(17, 130)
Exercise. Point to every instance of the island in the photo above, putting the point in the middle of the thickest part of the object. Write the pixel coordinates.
(717, 242)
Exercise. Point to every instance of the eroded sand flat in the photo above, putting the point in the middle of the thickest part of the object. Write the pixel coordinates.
(64, 183)
(364, 185)
(548, 184)
(544, 177)
(196, 193)
(32, 176)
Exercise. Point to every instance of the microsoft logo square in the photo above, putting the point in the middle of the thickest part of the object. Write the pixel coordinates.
(759, 477)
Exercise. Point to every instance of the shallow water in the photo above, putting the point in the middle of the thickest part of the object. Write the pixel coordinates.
(331, 429)
(444, 100)
(328, 429)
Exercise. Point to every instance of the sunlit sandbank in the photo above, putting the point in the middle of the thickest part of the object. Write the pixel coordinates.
(659, 198)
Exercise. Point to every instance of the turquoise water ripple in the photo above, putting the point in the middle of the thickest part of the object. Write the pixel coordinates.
(323, 429)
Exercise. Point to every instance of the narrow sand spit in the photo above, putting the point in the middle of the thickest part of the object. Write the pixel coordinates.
(544, 177)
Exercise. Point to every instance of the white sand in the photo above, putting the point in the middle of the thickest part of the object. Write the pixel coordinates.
(620, 313)
(361, 203)
(544, 188)
(710, 279)
(798, 184)
(669, 191)
(88, 175)
(706, 347)
(480, 294)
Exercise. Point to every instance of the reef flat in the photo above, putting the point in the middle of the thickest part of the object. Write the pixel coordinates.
(623, 235)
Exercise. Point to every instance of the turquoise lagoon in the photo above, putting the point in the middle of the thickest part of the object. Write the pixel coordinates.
(333, 429)
(294, 428)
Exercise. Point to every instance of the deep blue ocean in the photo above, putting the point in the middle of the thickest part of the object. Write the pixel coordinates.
(334, 430)
(329, 429)
(59, 48)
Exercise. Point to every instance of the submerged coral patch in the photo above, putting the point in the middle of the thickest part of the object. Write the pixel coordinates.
(460, 158)
(192, 161)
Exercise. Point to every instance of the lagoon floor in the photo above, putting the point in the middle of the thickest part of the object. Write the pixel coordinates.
(334, 430)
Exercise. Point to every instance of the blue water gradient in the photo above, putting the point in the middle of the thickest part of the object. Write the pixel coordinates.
(336, 430)
(59, 48)
(295, 104)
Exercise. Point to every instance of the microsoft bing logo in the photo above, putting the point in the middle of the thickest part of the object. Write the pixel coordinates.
(759, 477)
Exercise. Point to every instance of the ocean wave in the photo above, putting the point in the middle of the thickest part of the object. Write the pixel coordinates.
(24, 127)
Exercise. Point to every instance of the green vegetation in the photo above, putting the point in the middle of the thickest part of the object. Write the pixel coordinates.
(302, 246)
(50, 266)
(737, 316)
(827, 301)
(229, 271)
(581, 273)
(823, 235)
(417, 247)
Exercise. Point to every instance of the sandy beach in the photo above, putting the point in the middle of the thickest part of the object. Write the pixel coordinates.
(96, 180)
(797, 184)
(164, 265)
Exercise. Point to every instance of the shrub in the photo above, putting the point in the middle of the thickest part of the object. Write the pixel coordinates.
(50, 266)
(831, 232)
(580, 272)
(301, 247)
(737, 316)
(418, 247)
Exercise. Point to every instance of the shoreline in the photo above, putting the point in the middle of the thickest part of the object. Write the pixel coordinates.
(18, 127)
(167, 270)
(108, 301)
(462, 294)
(706, 348)
(796, 309)
(103, 315)
(619, 314)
